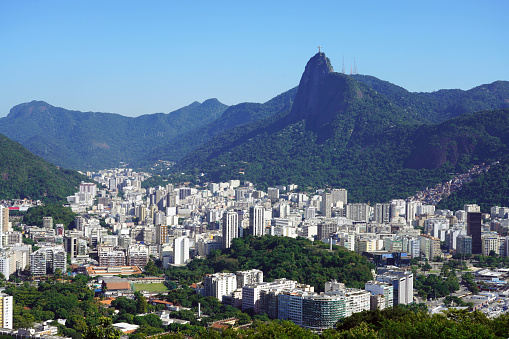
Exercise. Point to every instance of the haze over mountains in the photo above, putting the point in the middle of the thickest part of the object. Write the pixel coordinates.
(354, 131)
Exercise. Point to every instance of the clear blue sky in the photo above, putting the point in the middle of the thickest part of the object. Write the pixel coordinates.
(139, 57)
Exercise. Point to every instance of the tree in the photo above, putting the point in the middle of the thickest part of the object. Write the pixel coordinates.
(141, 303)
(103, 330)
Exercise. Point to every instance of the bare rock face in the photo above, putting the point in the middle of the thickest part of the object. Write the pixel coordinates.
(310, 86)
(321, 94)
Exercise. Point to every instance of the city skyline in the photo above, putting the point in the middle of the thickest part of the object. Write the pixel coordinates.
(133, 59)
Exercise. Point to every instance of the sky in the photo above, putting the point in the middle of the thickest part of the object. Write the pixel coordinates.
(143, 57)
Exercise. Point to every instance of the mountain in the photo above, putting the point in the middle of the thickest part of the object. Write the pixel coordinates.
(92, 140)
(341, 132)
(439, 106)
(24, 175)
(233, 116)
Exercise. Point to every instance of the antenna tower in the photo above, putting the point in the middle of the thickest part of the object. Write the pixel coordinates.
(354, 67)
(343, 64)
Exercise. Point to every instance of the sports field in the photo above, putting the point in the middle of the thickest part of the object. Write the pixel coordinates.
(155, 287)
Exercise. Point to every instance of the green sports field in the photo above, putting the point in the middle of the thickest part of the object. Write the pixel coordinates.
(156, 287)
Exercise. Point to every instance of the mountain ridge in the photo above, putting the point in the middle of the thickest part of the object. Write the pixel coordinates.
(375, 149)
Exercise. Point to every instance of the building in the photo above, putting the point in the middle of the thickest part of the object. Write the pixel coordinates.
(161, 234)
(402, 283)
(322, 311)
(230, 227)
(111, 256)
(180, 250)
(273, 193)
(474, 229)
(250, 277)
(430, 246)
(490, 242)
(464, 244)
(47, 222)
(138, 255)
(326, 205)
(47, 260)
(257, 220)
(339, 197)
(6, 308)
(358, 212)
(412, 208)
(251, 293)
(4, 219)
(219, 284)
(325, 228)
(381, 288)
(383, 213)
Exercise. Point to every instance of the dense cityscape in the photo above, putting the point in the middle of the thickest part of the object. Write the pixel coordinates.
(122, 233)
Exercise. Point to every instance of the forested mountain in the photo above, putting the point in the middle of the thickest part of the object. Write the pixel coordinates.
(235, 115)
(341, 111)
(24, 175)
(343, 133)
(91, 140)
(439, 106)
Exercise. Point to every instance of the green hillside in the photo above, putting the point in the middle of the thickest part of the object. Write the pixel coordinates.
(236, 115)
(343, 133)
(488, 190)
(24, 175)
(85, 141)
(439, 106)
(282, 257)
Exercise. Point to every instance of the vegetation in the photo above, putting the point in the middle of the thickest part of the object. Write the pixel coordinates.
(487, 190)
(281, 257)
(398, 322)
(24, 175)
(154, 287)
(92, 140)
(60, 214)
(439, 106)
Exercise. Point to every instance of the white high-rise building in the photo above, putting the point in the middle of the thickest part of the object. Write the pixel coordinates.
(251, 293)
(180, 250)
(339, 197)
(219, 284)
(6, 307)
(257, 220)
(248, 277)
(230, 228)
(412, 208)
(48, 259)
(358, 212)
(471, 208)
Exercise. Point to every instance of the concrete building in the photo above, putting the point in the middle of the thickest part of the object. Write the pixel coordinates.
(326, 205)
(250, 277)
(219, 284)
(111, 256)
(180, 250)
(490, 242)
(430, 246)
(251, 293)
(47, 260)
(402, 283)
(381, 288)
(257, 220)
(358, 212)
(230, 226)
(6, 308)
(383, 213)
(474, 229)
(464, 244)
